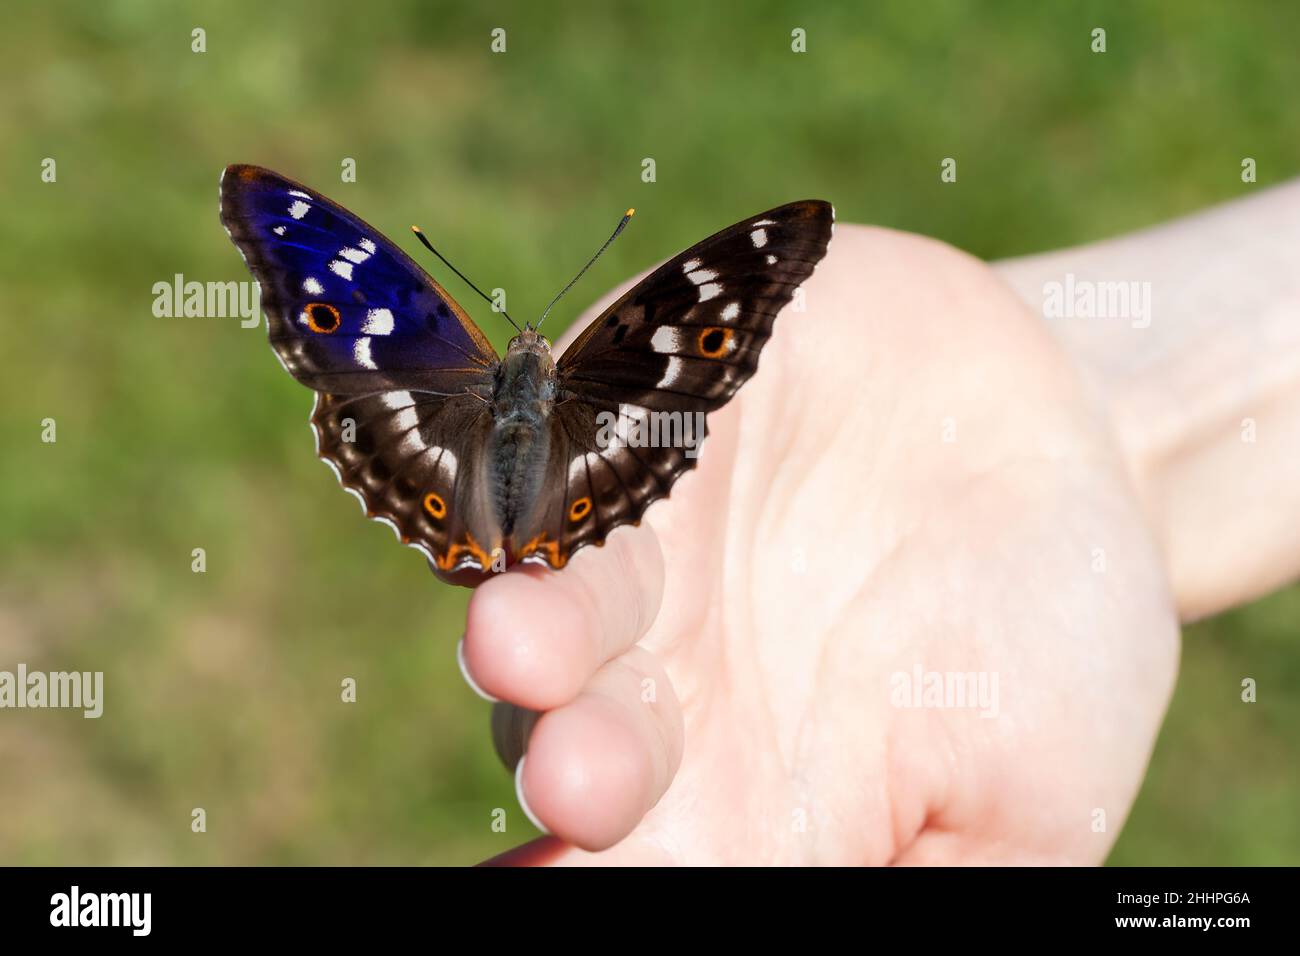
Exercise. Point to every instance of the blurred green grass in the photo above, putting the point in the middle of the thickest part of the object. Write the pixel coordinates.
(183, 433)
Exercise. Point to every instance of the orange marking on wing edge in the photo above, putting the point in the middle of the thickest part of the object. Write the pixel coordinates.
(471, 547)
(580, 509)
(550, 550)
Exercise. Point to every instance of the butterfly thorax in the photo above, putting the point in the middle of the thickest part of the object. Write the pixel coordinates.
(523, 394)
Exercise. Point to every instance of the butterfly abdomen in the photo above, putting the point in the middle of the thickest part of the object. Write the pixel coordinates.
(516, 462)
(523, 395)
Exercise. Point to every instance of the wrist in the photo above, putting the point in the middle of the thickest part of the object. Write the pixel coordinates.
(1200, 376)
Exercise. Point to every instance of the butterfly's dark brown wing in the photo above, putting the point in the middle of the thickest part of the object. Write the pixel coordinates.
(679, 343)
(690, 334)
(414, 460)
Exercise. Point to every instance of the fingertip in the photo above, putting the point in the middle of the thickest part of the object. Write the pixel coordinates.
(588, 778)
(528, 642)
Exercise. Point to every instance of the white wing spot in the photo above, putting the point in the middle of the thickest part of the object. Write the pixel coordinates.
(378, 322)
(298, 209)
(709, 291)
(354, 255)
(630, 417)
(771, 260)
(666, 339)
(406, 419)
(278, 230)
(765, 222)
(672, 373)
(367, 245)
(731, 312)
(299, 193)
(397, 400)
(361, 352)
(701, 276)
(690, 265)
(759, 238)
(340, 268)
(311, 286)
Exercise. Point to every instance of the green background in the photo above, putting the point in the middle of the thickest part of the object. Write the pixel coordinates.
(223, 687)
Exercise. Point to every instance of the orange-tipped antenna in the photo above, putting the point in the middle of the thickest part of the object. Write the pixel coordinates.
(428, 245)
(622, 222)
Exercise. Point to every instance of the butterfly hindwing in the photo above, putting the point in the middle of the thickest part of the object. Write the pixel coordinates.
(677, 345)
(412, 459)
(348, 311)
(590, 488)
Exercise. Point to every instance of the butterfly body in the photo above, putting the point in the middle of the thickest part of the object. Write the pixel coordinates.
(482, 461)
(523, 397)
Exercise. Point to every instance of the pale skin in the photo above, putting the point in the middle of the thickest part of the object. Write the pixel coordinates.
(925, 473)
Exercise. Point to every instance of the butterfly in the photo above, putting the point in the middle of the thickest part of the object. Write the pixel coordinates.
(482, 461)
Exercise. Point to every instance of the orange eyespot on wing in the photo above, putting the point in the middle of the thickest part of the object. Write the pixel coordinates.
(713, 342)
(436, 507)
(580, 509)
(321, 317)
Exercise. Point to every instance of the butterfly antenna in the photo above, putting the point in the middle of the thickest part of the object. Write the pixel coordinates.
(622, 222)
(428, 245)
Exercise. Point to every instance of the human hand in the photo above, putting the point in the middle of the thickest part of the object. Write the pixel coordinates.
(915, 479)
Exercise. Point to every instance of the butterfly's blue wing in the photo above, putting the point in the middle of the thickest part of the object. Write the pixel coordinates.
(349, 313)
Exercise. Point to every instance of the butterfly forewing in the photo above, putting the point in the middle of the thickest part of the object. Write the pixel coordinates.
(690, 334)
(348, 311)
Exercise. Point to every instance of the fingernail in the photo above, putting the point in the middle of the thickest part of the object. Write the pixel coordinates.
(464, 671)
(523, 804)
